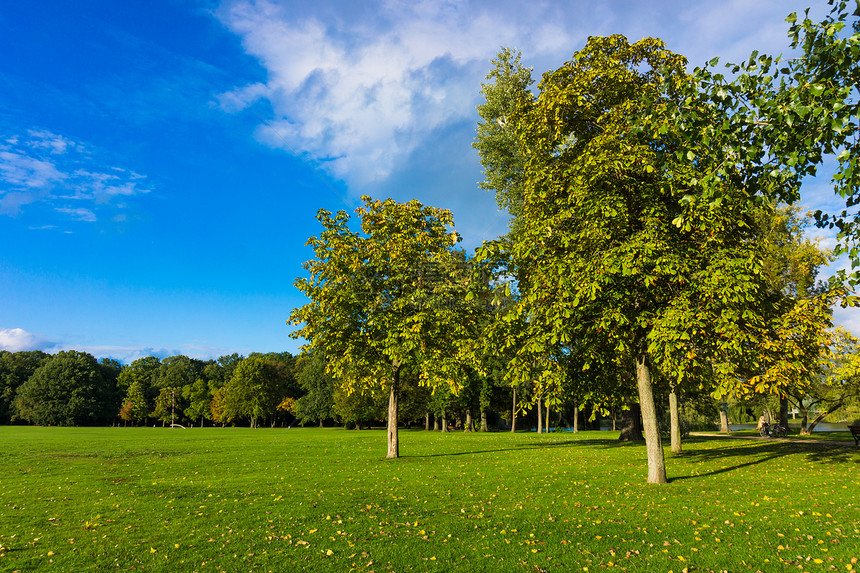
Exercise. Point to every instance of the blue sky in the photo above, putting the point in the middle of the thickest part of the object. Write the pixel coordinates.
(161, 162)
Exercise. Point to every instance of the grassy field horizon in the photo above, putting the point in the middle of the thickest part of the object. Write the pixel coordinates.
(231, 499)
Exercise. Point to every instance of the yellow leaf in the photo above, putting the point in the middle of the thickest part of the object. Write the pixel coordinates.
(153, 550)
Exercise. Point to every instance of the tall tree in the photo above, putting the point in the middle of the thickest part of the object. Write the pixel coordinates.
(69, 389)
(317, 404)
(381, 300)
(15, 369)
(616, 250)
(496, 139)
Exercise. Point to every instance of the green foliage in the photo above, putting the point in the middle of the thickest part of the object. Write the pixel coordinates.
(318, 402)
(15, 369)
(69, 389)
(501, 152)
(777, 120)
(257, 386)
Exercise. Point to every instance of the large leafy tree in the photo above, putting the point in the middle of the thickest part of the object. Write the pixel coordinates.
(257, 386)
(617, 255)
(387, 298)
(69, 389)
(317, 405)
(15, 369)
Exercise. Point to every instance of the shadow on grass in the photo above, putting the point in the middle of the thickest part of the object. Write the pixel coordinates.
(761, 452)
(533, 446)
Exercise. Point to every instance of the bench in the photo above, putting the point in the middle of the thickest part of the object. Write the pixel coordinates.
(855, 433)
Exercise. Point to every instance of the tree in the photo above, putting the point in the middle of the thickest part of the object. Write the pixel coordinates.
(197, 396)
(382, 300)
(256, 388)
(168, 405)
(318, 402)
(496, 139)
(617, 253)
(67, 390)
(15, 369)
(836, 386)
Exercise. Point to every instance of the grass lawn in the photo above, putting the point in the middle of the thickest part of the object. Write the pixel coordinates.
(215, 499)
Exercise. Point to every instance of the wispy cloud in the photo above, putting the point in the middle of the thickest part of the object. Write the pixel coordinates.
(43, 167)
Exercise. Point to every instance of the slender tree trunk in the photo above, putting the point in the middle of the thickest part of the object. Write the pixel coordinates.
(321, 423)
(724, 421)
(540, 417)
(444, 421)
(484, 426)
(614, 419)
(514, 413)
(546, 423)
(393, 438)
(656, 463)
(468, 426)
(576, 420)
(674, 422)
(427, 421)
(823, 414)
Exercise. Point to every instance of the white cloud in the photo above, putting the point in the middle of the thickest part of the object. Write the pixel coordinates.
(360, 95)
(43, 167)
(18, 339)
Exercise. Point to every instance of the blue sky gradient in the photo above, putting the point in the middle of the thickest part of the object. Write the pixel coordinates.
(161, 162)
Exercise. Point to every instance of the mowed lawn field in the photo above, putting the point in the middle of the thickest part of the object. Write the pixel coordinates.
(212, 499)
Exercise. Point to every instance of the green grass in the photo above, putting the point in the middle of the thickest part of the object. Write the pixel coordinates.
(325, 500)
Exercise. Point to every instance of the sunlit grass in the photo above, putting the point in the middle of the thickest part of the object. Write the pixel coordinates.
(326, 500)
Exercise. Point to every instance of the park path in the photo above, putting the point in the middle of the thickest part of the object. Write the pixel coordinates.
(786, 439)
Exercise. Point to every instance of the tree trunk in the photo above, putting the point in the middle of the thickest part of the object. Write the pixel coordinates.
(393, 438)
(444, 421)
(824, 414)
(546, 423)
(724, 421)
(631, 429)
(427, 421)
(540, 417)
(674, 422)
(656, 463)
(436, 423)
(321, 423)
(468, 426)
(576, 420)
(783, 412)
(614, 419)
(514, 413)
(804, 418)
(484, 426)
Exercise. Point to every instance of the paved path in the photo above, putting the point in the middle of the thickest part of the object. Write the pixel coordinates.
(786, 439)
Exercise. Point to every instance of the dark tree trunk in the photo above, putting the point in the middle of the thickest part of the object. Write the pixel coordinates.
(321, 423)
(393, 396)
(514, 413)
(540, 417)
(656, 461)
(783, 412)
(631, 430)
(674, 422)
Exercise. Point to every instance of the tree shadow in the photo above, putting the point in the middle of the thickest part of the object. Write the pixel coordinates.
(763, 452)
